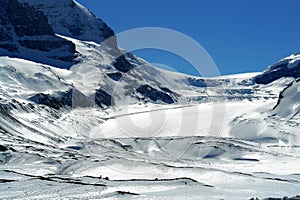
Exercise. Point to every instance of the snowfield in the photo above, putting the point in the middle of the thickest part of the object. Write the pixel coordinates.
(167, 158)
(109, 128)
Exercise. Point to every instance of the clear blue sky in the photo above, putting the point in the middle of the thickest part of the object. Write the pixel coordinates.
(240, 35)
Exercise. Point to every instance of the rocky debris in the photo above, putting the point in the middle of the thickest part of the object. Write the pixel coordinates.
(115, 76)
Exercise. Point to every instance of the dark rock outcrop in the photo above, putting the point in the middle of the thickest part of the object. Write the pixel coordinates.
(71, 98)
(103, 99)
(197, 82)
(122, 64)
(56, 101)
(115, 76)
(3, 148)
(4, 109)
(154, 94)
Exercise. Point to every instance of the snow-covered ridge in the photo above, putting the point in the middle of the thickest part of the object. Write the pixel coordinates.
(292, 60)
(286, 67)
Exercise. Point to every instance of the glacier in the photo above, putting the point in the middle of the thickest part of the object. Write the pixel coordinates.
(95, 127)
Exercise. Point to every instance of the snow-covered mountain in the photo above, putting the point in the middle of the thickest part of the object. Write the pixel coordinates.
(286, 67)
(25, 33)
(70, 19)
(73, 112)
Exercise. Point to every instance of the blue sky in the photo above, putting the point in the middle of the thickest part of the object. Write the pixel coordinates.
(240, 35)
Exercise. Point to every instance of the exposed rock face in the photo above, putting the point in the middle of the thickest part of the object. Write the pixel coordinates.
(122, 64)
(103, 99)
(115, 76)
(71, 98)
(25, 33)
(3, 148)
(154, 94)
(59, 100)
(287, 67)
(6, 29)
(27, 21)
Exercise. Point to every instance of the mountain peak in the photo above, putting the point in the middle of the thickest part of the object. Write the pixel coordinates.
(69, 18)
(32, 29)
(26, 33)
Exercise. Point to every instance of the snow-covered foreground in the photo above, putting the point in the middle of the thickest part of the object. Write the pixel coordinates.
(234, 169)
(110, 161)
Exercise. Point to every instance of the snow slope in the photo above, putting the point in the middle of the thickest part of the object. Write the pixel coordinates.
(71, 150)
(288, 103)
(280, 123)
